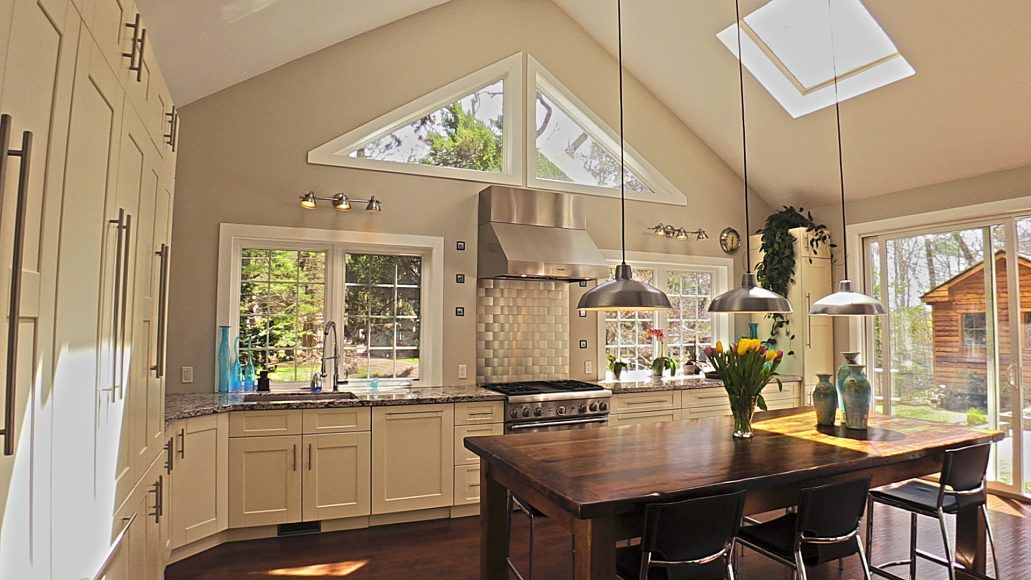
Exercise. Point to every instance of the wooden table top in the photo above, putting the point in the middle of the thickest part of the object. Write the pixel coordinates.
(609, 470)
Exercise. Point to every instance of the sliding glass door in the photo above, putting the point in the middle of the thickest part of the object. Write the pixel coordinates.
(957, 313)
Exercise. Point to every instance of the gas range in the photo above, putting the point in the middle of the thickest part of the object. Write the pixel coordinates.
(553, 404)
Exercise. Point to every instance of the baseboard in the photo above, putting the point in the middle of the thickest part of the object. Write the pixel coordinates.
(465, 511)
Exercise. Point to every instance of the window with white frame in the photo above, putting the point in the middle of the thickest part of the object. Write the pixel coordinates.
(277, 295)
(688, 327)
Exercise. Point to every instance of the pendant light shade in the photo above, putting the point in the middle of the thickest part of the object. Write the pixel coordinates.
(846, 301)
(750, 297)
(624, 293)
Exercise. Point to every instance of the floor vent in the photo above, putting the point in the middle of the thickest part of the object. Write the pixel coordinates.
(299, 529)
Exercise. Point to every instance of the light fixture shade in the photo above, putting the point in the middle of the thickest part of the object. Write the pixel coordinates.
(750, 297)
(341, 203)
(624, 293)
(374, 204)
(702, 235)
(847, 302)
(308, 200)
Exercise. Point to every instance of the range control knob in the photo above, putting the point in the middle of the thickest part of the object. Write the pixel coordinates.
(604, 406)
(537, 412)
(583, 407)
(594, 407)
(514, 413)
(561, 410)
(526, 411)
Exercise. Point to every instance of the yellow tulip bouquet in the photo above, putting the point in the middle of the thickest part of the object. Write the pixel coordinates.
(746, 368)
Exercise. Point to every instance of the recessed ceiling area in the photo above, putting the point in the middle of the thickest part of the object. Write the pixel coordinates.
(205, 46)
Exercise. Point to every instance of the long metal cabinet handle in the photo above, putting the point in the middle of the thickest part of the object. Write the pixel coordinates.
(117, 306)
(113, 550)
(170, 455)
(139, 65)
(809, 320)
(133, 48)
(158, 500)
(16, 267)
(182, 443)
(295, 456)
(125, 304)
(159, 363)
(173, 124)
(309, 456)
(559, 423)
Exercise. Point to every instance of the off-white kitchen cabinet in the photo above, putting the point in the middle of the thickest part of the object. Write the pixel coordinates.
(647, 407)
(264, 480)
(337, 478)
(478, 419)
(199, 478)
(412, 457)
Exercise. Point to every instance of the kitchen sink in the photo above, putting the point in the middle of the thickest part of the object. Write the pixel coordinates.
(291, 397)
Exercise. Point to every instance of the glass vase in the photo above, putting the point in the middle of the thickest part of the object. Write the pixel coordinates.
(851, 358)
(225, 363)
(825, 400)
(235, 372)
(857, 398)
(742, 407)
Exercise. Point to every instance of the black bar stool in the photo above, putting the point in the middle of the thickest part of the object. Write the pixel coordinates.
(515, 504)
(825, 528)
(961, 486)
(691, 539)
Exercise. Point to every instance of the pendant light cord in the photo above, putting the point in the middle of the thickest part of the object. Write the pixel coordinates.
(622, 163)
(841, 159)
(744, 136)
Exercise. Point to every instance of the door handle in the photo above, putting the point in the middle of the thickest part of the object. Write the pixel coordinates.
(809, 320)
(139, 65)
(294, 453)
(125, 304)
(182, 443)
(117, 305)
(309, 456)
(173, 127)
(159, 502)
(21, 202)
(159, 363)
(169, 455)
(133, 48)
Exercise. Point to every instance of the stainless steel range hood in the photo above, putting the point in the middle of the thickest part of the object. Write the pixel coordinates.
(527, 233)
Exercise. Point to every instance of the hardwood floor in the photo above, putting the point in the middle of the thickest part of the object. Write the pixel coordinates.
(449, 549)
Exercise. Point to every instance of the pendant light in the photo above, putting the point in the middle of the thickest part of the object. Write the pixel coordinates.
(749, 297)
(846, 301)
(623, 293)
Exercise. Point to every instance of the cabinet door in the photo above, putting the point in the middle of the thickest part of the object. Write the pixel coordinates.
(37, 60)
(264, 480)
(818, 331)
(337, 476)
(195, 480)
(106, 21)
(156, 487)
(412, 457)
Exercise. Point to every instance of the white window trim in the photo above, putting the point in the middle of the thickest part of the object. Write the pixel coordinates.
(663, 190)
(509, 69)
(233, 238)
(661, 263)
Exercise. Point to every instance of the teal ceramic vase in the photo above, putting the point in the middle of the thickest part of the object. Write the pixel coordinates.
(753, 330)
(857, 398)
(851, 358)
(225, 362)
(825, 400)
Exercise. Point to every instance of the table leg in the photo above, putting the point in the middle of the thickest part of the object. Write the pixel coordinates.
(595, 557)
(493, 528)
(970, 540)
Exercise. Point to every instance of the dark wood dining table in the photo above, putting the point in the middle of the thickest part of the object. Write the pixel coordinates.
(595, 482)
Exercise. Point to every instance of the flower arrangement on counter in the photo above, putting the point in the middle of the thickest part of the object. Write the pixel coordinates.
(661, 362)
(746, 368)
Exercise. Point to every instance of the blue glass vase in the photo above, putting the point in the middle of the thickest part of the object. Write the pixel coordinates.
(753, 330)
(825, 400)
(857, 398)
(851, 358)
(236, 373)
(225, 362)
(248, 374)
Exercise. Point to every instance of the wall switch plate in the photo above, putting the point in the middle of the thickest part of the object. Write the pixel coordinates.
(463, 372)
(588, 367)
(583, 283)
(460, 278)
(583, 344)
(459, 311)
(460, 246)
(187, 375)
(582, 313)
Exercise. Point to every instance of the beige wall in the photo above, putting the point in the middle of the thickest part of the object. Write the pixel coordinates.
(242, 159)
(962, 193)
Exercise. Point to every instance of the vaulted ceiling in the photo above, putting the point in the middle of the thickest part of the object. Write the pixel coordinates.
(965, 112)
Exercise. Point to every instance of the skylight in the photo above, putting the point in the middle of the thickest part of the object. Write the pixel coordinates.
(787, 47)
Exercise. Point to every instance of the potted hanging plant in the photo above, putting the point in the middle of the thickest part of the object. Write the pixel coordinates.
(745, 368)
(661, 362)
(617, 366)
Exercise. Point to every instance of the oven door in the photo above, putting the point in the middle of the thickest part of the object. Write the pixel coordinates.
(556, 425)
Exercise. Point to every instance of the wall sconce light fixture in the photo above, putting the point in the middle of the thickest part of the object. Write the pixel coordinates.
(675, 233)
(340, 201)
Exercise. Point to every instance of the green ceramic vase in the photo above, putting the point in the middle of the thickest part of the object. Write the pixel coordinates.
(825, 400)
(851, 358)
(857, 398)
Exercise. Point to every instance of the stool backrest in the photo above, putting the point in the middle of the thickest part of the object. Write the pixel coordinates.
(691, 529)
(964, 469)
(833, 510)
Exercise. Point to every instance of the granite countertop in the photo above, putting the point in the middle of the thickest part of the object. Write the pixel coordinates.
(185, 405)
(673, 383)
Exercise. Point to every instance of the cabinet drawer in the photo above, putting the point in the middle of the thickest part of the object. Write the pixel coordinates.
(339, 420)
(467, 484)
(462, 455)
(262, 423)
(709, 397)
(703, 412)
(647, 417)
(479, 413)
(650, 401)
(791, 392)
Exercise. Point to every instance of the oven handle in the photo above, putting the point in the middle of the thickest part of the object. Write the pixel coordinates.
(559, 423)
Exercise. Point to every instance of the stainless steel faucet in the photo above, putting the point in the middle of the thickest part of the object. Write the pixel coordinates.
(319, 378)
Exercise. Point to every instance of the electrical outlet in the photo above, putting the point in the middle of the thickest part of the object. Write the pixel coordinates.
(463, 372)
(588, 367)
(187, 375)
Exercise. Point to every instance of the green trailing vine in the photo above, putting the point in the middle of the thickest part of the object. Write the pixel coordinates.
(776, 271)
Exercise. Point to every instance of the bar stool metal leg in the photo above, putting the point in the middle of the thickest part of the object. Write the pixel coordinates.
(912, 545)
(948, 546)
(862, 559)
(991, 540)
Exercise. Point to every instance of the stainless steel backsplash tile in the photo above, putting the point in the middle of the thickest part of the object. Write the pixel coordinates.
(522, 330)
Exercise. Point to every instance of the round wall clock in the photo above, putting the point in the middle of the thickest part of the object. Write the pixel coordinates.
(730, 240)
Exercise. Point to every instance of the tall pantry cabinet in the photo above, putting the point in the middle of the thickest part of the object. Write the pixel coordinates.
(85, 225)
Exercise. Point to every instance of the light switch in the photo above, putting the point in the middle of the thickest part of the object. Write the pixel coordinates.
(187, 375)
(463, 372)
(588, 367)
